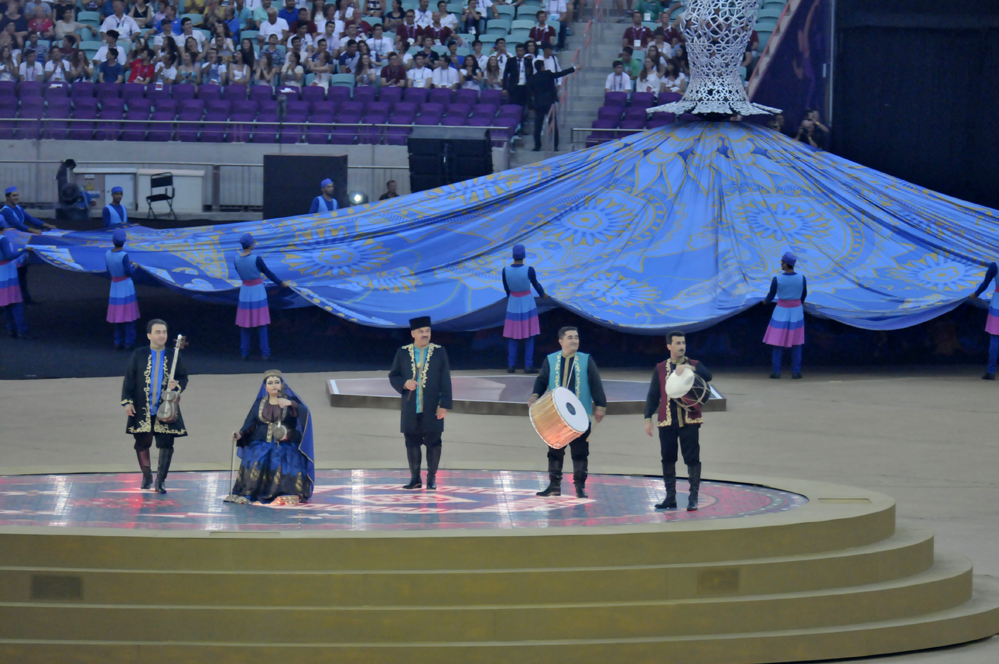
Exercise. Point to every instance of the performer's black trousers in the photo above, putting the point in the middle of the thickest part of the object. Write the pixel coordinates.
(579, 451)
(539, 120)
(430, 438)
(143, 441)
(689, 441)
(518, 95)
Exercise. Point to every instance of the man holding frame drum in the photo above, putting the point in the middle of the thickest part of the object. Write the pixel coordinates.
(577, 372)
(680, 418)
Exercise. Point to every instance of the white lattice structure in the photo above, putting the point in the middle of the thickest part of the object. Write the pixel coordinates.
(716, 32)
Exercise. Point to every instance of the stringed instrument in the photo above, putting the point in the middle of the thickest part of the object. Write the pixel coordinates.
(169, 409)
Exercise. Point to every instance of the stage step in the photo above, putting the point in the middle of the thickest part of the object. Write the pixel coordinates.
(946, 585)
(908, 552)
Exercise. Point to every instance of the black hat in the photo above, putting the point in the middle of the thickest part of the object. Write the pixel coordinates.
(417, 323)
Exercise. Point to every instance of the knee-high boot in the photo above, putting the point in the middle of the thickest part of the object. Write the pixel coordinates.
(146, 467)
(694, 478)
(162, 468)
(433, 459)
(554, 479)
(415, 457)
(579, 467)
(669, 479)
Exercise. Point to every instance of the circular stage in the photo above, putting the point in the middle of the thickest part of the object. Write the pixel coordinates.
(363, 500)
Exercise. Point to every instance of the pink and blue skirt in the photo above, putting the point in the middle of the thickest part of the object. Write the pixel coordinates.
(992, 322)
(521, 316)
(787, 325)
(122, 305)
(252, 310)
(10, 288)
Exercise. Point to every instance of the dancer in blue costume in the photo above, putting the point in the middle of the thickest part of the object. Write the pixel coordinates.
(787, 325)
(992, 322)
(15, 217)
(275, 447)
(123, 309)
(577, 372)
(521, 314)
(252, 311)
(325, 201)
(114, 213)
(10, 289)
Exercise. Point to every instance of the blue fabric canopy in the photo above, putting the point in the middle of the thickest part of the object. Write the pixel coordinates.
(682, 226)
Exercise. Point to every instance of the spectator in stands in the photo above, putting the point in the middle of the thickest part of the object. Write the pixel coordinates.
(351, 31)
(303, 19)
(273, 26)
(349, 58)
(402, 50)
(776, 122)
(239, 71)
(317, 12)
(499, 50)
(166, 39)
(191, 47)
(631, 64)
(424, 17)
(195, 6)
(430, 56)
(188, 32)
(170, 13)
(488, 9)
(395, 17)
(637, 35)
(111, 70)
(265, 72)
(143, 71)
(563, 12)
(260, 13)
(409, 30)
(518, 70)
(224, 38)
(531, 48)
(457, 61)
(15, 18)
(545, 94)
(30, 69)
(668, 31)
(243, 15)
(471, 20)
(331, 38)
(806, 132)
(543, 33)
(367, 73)
(124, 25)
(142, 14)
(41, 48)
(41, 24)
(820, 133)
(81, 69)
(393, 75)
(657, 58)
(111, 37)
(480, 57)
(448, 20)
(439, 33)
(301, 41)
(662, 48)
(8, 68)
(618, 81)
(380, 45)
(289, 12)
(390, 191)
(293, 73)
(277, 57)
(322, 69)
(28, 8)
(213, 71)
(374, 8)
(674, 80)
(213, 15)
(493, 75)
(445, 76)
(56, 69)
(189, 71)
(648, 79)
(249, 55)
(471, 75)
(419, 76)
(67, 25)
(345, 13)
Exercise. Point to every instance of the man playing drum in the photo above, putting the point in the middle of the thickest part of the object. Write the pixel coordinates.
(577, 372)
(677, 422)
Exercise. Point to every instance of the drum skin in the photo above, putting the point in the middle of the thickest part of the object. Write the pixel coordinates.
(549, 423)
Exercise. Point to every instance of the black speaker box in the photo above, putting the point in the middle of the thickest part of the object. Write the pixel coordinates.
(292, 181)
(440, 156)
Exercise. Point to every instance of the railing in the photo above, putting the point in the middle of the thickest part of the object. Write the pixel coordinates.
(548, 131)
(578, 135)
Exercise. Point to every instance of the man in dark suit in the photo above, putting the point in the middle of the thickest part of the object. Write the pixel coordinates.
(422, 374)
(517, 73)
(545, 93)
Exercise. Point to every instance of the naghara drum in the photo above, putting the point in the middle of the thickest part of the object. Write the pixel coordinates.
(559, 417)
(688, 389)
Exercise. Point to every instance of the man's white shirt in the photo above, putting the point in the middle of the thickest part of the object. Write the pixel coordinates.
(124, 26)
(279, 27)
(445, 77)
(102, 55)
(618, 83)
(419, 77)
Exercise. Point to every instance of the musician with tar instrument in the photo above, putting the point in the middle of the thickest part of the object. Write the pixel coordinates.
(422, 375)
(578, 373)
(680, 417)
(151, 381)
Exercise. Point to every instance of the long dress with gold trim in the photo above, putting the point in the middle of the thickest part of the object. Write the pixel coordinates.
(270, 468)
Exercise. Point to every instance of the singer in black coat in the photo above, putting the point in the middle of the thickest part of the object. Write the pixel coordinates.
(433, 392)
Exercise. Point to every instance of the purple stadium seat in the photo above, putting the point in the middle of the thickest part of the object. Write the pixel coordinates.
(159, 129)
(133, 91)
(372, 135)
(182, 91)
(57, 109)
(234, 92)
(8, 89)
(261, 92)
(615, 99)
(138, 113)
(479, 121)
(241, 121)
(56, 90)
(378, 108)
(511, 111)
(467, 97)
(288, 91)
(601, 137)
(8, 111)
(390, 95)
(365, 93)
(207, 92)
(164, 105)
(245, 107)
(416, 95)
(218, 105)
(345, 135)
(32, 108)
(501, 136)
(485, 110)
(313, 93)
(265, 130)
(139, 105)
(632, 113)
(643, 100)
(154, 95)
(188, 133)
(631, 124)
(109, 131)
(427, 120)
(397, 135)
(405, 108)
(440, 96)
(494, 97)
(316, 132)
(268, 106)
(293, 128)
(111, 103)
(455, 121)
(83, 131)
(432, 108)
(323, 108)
(297, 106)
(353, 108)
(82, 89)
(338, 93)
(105, 90)
(669, 97)
(609, 113)
(658, 120)
(458, 110)
(29, 89)
(213, 131)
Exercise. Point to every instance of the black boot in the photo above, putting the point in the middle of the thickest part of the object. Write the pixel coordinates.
(554, 479)
(146, 467)
(433, 459)
(694, 478)
(669, 479)
(162, 468)
(415, 456)
(579, 467)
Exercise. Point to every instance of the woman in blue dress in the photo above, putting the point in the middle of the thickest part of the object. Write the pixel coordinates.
(252, 310)
(275, 447)
(521, 314)
(787, 324)
(123, 309)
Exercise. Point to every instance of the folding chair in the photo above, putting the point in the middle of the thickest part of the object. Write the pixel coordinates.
(162, 181)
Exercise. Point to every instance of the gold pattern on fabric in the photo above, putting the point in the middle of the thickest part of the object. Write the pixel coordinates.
(206, 254)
